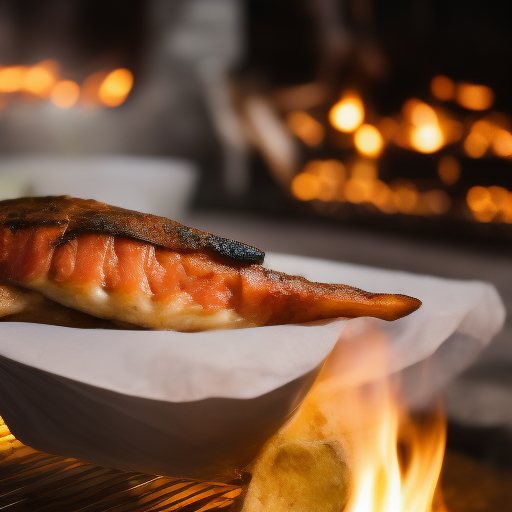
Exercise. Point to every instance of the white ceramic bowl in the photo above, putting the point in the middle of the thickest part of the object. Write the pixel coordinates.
(161, 186)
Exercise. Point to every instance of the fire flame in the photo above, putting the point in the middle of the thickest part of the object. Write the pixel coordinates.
(395, 457)
(397, 460)
(352, 445)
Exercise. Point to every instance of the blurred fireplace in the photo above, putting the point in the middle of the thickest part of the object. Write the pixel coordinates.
(432, 150)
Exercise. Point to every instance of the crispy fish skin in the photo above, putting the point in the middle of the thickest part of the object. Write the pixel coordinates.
(138, 269)
(89, 216)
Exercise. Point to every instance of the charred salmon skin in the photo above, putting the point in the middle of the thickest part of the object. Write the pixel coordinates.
(148, 271)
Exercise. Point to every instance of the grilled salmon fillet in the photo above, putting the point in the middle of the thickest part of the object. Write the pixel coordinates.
(148, 271)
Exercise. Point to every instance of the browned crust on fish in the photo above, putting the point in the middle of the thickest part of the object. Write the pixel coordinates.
(90, 216)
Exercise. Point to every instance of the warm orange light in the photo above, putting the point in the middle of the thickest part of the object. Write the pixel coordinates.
(481, 203)
(475, 145)
(427, 138)
(11, 78)
(89, 96)
(382, 480)
(502, 143)
(405, 197)
(305, 186)
(388, 128)
(38, 80)
(484, 128)
(116, 87)
(394, 458)
(425, 135)
(438, 202)
(499, 195)
(506, 209)
(328, 176)
(422, 114)
(348, 114)
(448, 169)
(382, 197)
(65, 93)
(368, 140)
(442, 88)
(358, 191)
(331, 175)
(452, 130)
(409, 106)
(474, 97)
(478, 198)
(306, 127)
(360, 187)
(365, 170)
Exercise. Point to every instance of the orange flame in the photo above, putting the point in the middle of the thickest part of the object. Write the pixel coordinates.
(395, 458)
(384, 481)
(374, 457)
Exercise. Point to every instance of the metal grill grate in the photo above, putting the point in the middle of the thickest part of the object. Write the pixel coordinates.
(31, 480)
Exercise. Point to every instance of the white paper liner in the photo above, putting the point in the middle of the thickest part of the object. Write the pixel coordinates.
(201, 405)
(246, 363)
